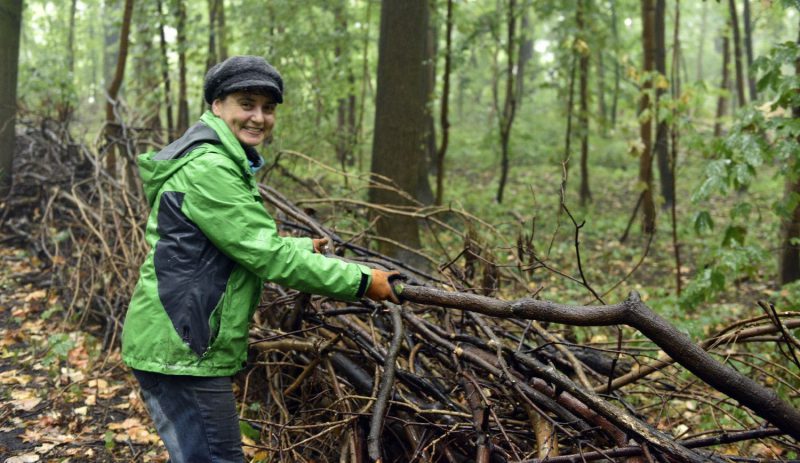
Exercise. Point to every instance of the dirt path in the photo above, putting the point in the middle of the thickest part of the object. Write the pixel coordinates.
(61, 398)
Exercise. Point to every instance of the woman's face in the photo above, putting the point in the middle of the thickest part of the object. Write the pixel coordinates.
(250, 116)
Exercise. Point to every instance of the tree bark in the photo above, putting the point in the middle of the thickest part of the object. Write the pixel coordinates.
(790, 252)
(722, 101)
(702, 41)
(398, 146)
(583, 114)
(617, 67)
(112, 125)
(674, 138)
(10, 29)
(506, 116)
(748, 45)
(445, 109)
(645, 124)
(71, 40)
(737, 53)
(183, 102)
(165, 74)
(662, 131)
(222, 39)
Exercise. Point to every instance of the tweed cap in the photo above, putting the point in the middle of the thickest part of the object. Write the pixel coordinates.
(242, 73)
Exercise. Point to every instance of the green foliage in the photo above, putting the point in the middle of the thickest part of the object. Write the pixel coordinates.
(756, 140)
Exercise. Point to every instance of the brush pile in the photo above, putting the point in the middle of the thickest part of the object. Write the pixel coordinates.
(453, 374)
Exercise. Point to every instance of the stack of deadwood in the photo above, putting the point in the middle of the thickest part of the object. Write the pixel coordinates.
(458, 376)
(450, 375)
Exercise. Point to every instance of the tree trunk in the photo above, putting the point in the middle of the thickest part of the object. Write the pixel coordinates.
(722, 101)
(525, 54)
(401, 98)
(674, 138)
(71, 41)
(617, 67)
(183, 102)
(165, 74)
(506, 116)
(662, 131)
(110, 39)
(10, 28)
(602, 108)
(748, 45)
(112, 124)
(645, 124)
(211, 55)
(790, 252)
(444, 115)
(222, 39)
(583, 115)
(737, 53)
(702, 41)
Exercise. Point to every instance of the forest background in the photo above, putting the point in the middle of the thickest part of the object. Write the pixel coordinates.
(595, 147)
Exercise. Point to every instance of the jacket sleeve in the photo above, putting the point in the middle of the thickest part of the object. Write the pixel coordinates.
(220, 202)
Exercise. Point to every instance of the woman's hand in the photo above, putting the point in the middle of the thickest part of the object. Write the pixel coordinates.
(320, 245)
(380, 289)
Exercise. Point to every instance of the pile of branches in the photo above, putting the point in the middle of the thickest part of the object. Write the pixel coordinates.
(453, 374)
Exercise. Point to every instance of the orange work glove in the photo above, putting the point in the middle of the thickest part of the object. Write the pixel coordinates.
(380, 289)
(320, 245)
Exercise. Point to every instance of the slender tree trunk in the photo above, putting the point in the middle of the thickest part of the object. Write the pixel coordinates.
(506, 117)
(722, 101)
(617, 67)
(211, 54)
(675, 137)
(10, 29)
(662, 131)
(444, 115)
(110, 39)
(398, 147)
(183, 102)
(165, 73)
(701, 47)
(737, 54)
(748, 45)
(645, 124)
(112, 124)
(583, 115)
(525, 55)
(71, 40)
(602, 108)
(790, 252)
(222, 39)
(570, 112)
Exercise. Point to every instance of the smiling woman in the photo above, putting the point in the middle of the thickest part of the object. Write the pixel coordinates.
(250, 116)
(213, 247)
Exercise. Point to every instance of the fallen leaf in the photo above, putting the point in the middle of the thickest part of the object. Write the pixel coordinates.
(36, 296)
(27, 458)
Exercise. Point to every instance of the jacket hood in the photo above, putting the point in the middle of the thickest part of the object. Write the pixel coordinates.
(156, 167)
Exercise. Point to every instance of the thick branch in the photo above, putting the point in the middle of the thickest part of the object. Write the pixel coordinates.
(632, 312)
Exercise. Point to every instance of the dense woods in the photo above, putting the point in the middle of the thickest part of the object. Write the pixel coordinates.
(644, 311)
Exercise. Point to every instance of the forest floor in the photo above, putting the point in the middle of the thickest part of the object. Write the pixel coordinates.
(63, 398)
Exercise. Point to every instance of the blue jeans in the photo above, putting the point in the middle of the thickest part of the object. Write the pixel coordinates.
(195, 417)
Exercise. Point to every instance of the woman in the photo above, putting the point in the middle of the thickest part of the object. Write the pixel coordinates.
(212, 247)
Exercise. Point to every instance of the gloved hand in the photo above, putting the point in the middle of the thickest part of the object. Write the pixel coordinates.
(380, 289)
(320, 245)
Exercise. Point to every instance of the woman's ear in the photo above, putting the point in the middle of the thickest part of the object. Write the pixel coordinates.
(216, 107)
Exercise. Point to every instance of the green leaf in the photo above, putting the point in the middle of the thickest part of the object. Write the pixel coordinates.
(703, 222)
(249, 431)
(734, 235)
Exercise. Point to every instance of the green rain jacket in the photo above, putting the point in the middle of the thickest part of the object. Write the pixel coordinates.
(213, 245)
